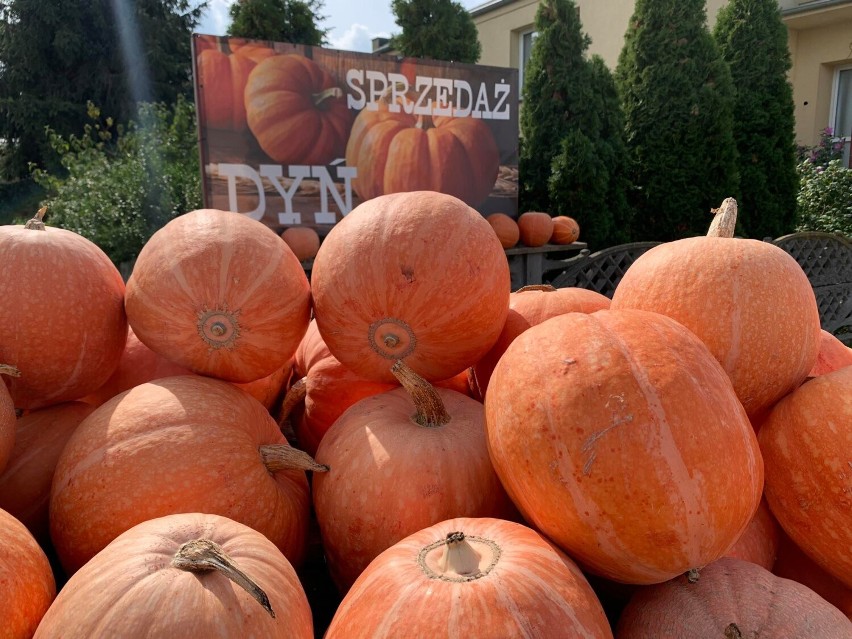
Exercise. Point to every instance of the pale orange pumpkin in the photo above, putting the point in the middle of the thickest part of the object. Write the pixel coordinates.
(26, 578)
(759, 542)
(506, 229)
(396, 152)
(40, 437)
(731, 599)
(7, 418)
(833, 355)
(579, 398)
(805, 441)
(302, 240)
(62, 314)
(183, 576)
(434, 439)
(220, 294)
(536, 228)
(178, 444)
(416, 276)
(566, 230)
(470, 577)
(311, 350)
(749, 301)
(296, 111)
(268, 390)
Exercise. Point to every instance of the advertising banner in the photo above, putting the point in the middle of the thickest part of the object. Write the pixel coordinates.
(300, 135)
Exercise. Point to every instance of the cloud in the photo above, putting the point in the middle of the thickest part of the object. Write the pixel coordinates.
(357, 37)
(216, 18)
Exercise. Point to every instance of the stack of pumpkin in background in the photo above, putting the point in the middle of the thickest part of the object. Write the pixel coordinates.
(480, 463)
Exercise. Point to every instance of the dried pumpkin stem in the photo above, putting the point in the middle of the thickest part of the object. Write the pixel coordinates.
(473, 383)
(461, 558)
(204, 555)
(733, 632)
(295, 395)
(11, 371)
(692, 575)
(284, 457)
(460, 562)
(725, 220)
(536, 287)
(322, 96)
(37, 223)
(431, 411)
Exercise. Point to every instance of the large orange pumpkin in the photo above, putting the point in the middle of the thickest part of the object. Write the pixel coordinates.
(178, 444)
(7, 418)
(26, 579)
(759, 542)
(416, 276)
(220, 294)
(833, 355)
(40, 436)
(296, 111)
(400, 151)
(749, 301)
(470, 578)
(596, 420)
(397, 468)
(62, 314)
(536, 228)
(806, 441)
(183, 576)
(733, 599)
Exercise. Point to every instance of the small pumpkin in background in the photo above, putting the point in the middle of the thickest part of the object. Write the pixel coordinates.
(296, 111)
(183, 576)
(536, 228)
(506, 229)
(833, 355)
(759, 542)
(566, 230)
(303, 241)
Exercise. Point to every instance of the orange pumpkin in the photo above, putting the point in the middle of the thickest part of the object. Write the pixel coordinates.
(506, 229)
(296, 111)
(566, 230)
(178, 444)
(749, 301)
(223, 77)
(40, 437)
(833, 355)
(303, 241)
(26, 577)
(598, 393)
(759, 543)
(396, 152)
(62, 314)
(220, 294)
(183, 576)
(529, 306)
(470, 578)
(268, 390)
(311, 350)
(416, 276)
(441, 452)
(806, 440)
(731, 599)
(536, 228)
(7, 418)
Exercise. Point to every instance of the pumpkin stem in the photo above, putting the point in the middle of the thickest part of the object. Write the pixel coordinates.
(37, 223)
(11, 371)
(461, 558)
(322, 96)
(203, 555)
(295, 394)
(431, 411)
(473, 383)
(284, 457)
(455, 559)
(725, 219)
(536, 287)
(733, 632)
(424, 122)
(692, 576)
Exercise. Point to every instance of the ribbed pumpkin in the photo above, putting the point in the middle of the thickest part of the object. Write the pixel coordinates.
(26, 579)
(303, 241)
(529, 306)
(269, 390)
(749, 301)
(178, 444)
(183, 576)
(62, 315)
(40, 437)
(579, 399)
(759, 543)
(536, 228)
(566, 230)
(223, 73)
(396, 152)
(416, 276)
(806, 441)
(506, 229)
(7, 417)
(311, 350)
(733, 599)
(296, 111)
(833, 355)
(470, 578)
(401, 461)
(220, 294)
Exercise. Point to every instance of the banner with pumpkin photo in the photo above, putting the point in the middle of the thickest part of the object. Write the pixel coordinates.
(300, 135)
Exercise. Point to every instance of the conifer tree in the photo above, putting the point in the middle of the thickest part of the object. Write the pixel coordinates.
(437, 29)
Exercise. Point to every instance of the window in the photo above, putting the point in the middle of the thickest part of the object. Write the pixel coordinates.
(525, 39)
(841, 111)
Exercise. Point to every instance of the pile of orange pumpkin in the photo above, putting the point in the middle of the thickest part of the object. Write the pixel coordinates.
(466, 461)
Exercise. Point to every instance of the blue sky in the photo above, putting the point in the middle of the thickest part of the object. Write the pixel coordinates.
(352, 24)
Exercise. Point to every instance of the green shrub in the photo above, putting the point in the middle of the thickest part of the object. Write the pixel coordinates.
(824, 202)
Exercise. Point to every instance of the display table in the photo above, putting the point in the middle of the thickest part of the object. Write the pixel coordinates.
(528, 265)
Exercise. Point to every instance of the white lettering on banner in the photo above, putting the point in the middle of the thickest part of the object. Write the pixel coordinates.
(273, 173)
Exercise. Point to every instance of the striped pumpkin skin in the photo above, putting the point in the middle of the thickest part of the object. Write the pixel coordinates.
(806, 442)
(619, 436)
(533, 590)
